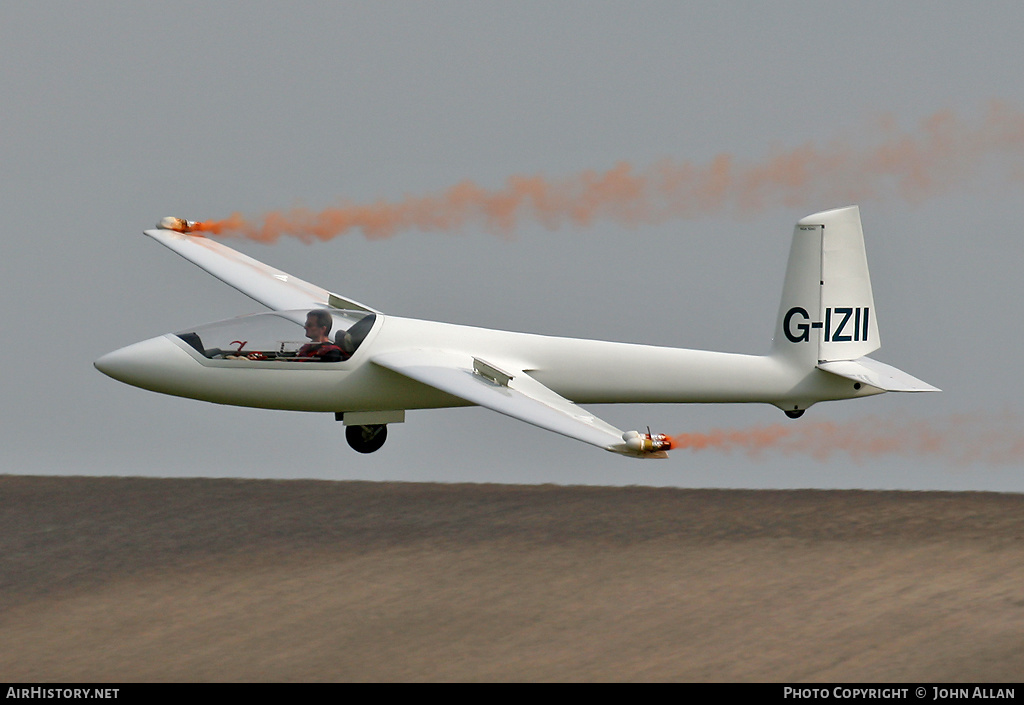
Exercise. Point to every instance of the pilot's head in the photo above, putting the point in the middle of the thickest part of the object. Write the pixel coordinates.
(318, 324)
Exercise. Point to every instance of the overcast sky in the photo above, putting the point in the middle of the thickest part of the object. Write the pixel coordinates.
(115, 114)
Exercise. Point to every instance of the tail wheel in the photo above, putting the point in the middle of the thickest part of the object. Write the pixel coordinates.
(366, 439)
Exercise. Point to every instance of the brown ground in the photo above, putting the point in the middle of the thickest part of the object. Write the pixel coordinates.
(129, 579)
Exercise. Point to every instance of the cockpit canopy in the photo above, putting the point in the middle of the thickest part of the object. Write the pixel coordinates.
(276, 335)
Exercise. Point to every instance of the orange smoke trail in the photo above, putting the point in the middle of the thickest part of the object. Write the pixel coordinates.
(957, 439)
(915, 165)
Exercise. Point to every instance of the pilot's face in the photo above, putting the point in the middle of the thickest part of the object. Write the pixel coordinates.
(314, 331)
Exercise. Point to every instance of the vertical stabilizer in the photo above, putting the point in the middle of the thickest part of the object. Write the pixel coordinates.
(827, 311)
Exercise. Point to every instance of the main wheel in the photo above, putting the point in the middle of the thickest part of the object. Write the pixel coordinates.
(366, 439)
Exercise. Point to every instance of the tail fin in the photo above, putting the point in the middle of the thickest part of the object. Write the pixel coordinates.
(827, 311)
(827, 316)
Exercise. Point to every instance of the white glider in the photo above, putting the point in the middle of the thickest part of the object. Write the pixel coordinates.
(386, 365)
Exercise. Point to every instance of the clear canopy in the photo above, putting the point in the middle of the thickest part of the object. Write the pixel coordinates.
(274, 335)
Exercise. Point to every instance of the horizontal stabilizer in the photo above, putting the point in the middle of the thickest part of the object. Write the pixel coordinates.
(877, 374)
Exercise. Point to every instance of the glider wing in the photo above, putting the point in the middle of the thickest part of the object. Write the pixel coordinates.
(271, 287)
(511, 392)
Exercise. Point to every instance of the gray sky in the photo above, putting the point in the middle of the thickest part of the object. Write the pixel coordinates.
(115, 114)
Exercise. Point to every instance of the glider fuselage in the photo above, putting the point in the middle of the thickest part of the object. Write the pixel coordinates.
(583, 371)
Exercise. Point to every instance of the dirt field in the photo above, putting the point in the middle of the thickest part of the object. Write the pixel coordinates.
(128, 579)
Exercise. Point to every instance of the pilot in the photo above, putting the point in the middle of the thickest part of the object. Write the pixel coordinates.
(321, 348)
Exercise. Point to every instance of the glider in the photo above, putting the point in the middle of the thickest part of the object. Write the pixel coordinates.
(379, 366)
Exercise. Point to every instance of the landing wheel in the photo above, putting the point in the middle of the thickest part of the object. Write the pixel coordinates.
(794, 413)
(366, 439)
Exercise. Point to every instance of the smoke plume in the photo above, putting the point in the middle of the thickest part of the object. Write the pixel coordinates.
(941, 152)
(960, 440)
